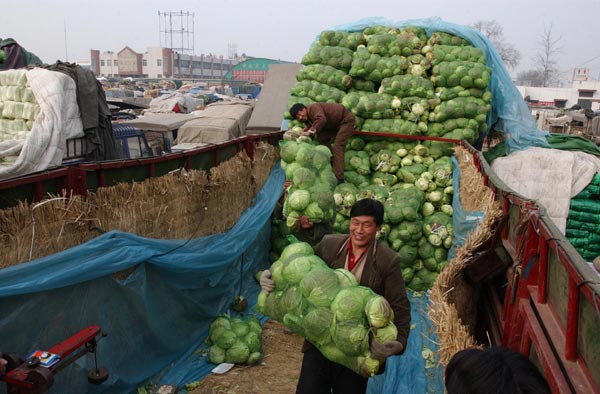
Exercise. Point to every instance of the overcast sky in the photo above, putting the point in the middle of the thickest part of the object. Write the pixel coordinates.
(281, 29)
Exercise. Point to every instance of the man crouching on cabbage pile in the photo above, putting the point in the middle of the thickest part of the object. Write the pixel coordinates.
(374, 266)
(331, 124)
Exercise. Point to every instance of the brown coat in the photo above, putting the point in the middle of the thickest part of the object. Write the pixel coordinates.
(334, 125)
(381, 273)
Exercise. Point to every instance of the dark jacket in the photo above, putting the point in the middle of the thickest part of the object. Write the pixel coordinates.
(325, 116)
(381, 273)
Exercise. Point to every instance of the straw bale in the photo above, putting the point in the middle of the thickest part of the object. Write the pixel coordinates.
(179, 205)
(230, 193)
(453, 308)
(30, 231)
(265, 157)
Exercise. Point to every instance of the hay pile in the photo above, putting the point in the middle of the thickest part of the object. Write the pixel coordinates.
(179, 205)
(453, 309)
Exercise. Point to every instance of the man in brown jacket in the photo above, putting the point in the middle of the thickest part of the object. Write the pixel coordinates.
(374, 266)
(332, 125)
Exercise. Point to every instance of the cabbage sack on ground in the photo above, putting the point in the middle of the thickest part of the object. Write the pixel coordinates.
(235, 340)
(328, 308)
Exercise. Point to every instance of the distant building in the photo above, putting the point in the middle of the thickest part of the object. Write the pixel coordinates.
(584, 92)
(252, 69)
(159, 62)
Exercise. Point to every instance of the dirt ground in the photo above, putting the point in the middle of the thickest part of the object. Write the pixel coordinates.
(277, 374)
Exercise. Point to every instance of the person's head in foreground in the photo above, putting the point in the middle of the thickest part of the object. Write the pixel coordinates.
(493, 370)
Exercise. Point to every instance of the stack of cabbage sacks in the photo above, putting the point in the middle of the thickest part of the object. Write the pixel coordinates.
(325, 75)
(235, 340)
(308, 167)
(583, 222)
(328, 308)
(461, 79)
(399, 81)
(18, 106)
(414, 184)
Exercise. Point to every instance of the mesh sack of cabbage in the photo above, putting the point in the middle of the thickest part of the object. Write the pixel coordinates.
(308, 167)
(328, 308)
(235, 340)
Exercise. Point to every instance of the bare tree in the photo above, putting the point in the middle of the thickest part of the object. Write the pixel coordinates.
(495, 33)
(546, 58)
(530, 78)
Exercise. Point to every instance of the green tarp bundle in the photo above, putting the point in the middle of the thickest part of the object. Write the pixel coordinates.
(583, 222)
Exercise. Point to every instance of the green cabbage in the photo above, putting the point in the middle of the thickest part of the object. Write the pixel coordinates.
(379, 312)
(238, 353)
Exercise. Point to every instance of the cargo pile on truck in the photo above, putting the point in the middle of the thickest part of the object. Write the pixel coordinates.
(400, 81)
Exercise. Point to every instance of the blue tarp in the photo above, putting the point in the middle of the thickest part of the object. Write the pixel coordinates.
(155, 318)
(463, 221)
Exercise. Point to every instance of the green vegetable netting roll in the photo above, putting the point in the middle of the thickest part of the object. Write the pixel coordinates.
(389, 42)
(341, 39)
(317, 91)
(328, 308)
(449, 93)
(461, 107)
(336, 57)
(437, 54)
(373, 67)
(326, 75)
(235, 340)
(407, 85)
(393, 126)
(460, 73)
(369, 105)
(443, 38)
(362, 85)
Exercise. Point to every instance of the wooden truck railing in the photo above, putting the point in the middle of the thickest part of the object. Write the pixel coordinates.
(83, 177)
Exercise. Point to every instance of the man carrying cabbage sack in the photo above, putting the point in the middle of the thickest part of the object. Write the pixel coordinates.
(332, 125)
(374, 266)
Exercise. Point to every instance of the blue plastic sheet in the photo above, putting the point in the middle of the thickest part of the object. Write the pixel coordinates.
(155, 318)
(510, 113)
(407, 373)
(463, 221)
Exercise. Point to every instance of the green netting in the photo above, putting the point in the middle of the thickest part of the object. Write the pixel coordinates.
(585, 206)
(579, 225)
(584, 217)
(586, 244)
(589, 256)
(574, 233)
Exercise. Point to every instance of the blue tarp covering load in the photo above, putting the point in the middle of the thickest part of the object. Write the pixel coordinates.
(155, 318)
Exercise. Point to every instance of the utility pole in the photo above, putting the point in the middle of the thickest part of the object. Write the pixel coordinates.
(65, 28)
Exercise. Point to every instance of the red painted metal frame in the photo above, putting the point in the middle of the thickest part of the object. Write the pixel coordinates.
(74, 178)
(18, 379)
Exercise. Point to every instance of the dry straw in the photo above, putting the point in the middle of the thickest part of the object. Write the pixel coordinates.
(452, 309)
(179, 205)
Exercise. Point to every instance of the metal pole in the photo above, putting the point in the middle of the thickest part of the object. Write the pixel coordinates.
(65, 27)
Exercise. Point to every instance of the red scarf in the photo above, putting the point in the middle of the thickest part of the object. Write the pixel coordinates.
(352, 260)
